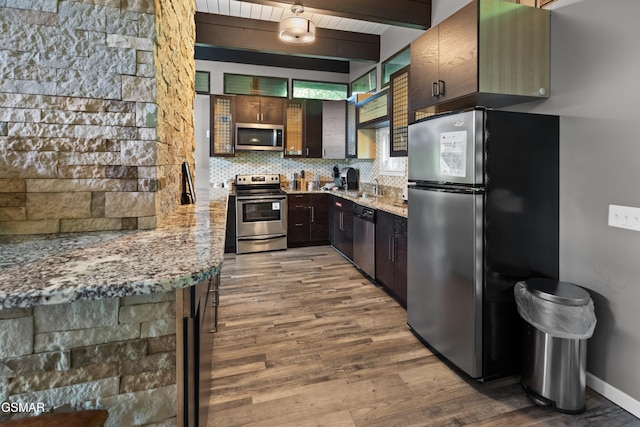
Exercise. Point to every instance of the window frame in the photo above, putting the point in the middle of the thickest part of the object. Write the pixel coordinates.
(372, 90)
(384, 64)
(293, 82)
(254, 77)
(208, 92)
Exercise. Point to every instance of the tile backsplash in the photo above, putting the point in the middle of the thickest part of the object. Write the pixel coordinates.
(222, 169)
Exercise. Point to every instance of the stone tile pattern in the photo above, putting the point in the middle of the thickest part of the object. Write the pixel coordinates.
(175, 44)
(94, 354)
(96, 113)
(50, 269)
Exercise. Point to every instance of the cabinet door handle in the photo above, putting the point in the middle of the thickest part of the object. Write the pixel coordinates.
(262, 117)
(307, 151)
(441, 87)
(341, 221)
(324, 152)
(434, 89)
(313, 213)
(393, 247)
(390, 253)
(299, 225)
(258, 116)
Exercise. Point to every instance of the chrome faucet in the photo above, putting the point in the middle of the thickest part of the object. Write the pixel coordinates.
(376, 187)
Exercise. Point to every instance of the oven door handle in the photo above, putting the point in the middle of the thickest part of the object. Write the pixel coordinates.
(260, 238)
(261, 198)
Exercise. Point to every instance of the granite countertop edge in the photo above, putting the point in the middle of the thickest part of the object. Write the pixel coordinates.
(386, 204)
(187, 248)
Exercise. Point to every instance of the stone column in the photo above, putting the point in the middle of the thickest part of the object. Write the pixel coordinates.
(96, 113)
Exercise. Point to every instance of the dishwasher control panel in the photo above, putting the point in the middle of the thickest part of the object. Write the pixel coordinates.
(364, 212)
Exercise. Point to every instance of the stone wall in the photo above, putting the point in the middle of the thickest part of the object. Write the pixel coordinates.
(96, 113)
(175, 42)
(117, 354)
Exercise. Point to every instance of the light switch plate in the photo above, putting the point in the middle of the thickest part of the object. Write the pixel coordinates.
(624, 217)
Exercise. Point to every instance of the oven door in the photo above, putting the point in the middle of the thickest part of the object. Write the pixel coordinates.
(260, 216)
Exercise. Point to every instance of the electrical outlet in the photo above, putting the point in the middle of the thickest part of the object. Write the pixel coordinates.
(624, 217)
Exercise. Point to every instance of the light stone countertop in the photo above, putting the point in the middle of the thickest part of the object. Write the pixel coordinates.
(393, 206)
(49, 269)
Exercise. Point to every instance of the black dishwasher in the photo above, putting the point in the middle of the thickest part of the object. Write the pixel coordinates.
(364, 239)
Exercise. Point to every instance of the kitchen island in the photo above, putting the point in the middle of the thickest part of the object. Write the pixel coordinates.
(90, 320)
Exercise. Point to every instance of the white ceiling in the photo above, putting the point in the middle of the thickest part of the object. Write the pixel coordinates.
(243, 9)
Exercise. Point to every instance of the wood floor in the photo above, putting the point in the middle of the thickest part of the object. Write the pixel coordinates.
(305, 340)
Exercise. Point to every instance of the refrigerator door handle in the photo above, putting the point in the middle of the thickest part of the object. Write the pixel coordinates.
(448, 188)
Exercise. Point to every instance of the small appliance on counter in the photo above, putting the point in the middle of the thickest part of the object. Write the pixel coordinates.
(337, 182)
(349, 178)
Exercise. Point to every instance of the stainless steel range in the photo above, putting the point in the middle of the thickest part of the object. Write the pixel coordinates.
(261, 214)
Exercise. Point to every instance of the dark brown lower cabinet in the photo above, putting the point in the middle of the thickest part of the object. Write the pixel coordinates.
(391, 254)
(198, 317)
(341, 225)
(308, 219)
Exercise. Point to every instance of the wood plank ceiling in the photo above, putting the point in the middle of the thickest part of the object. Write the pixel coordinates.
(347, 29)
(243, 9)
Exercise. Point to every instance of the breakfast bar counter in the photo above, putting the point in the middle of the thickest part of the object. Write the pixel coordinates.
(51, 269)
(114, 320)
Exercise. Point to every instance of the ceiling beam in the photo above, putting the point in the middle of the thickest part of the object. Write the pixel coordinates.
(403, 13)
(210, 53)
(262, 36)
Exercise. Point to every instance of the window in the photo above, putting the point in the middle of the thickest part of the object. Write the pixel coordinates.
(239, 84)
(393, 166)
(202, 82)
(368, 83)
(393, 64)
(320, 90)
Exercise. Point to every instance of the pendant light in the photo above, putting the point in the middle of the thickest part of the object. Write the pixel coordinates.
(296, 29)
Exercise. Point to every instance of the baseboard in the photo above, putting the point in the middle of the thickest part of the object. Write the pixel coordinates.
(618, 397)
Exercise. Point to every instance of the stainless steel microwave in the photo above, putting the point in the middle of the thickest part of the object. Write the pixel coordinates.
(259, 137)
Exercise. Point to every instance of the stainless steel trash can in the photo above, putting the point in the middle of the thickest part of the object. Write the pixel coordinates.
(555, 349)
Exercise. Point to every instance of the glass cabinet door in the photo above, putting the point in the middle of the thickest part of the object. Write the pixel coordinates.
(222, 120)
(399, 123)
(294, 129)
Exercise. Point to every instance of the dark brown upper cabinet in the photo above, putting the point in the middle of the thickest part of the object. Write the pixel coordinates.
(259, 109)
(490, 52)
(303, 128)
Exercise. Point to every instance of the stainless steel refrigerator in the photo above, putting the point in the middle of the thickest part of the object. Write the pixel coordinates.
(483, 214)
